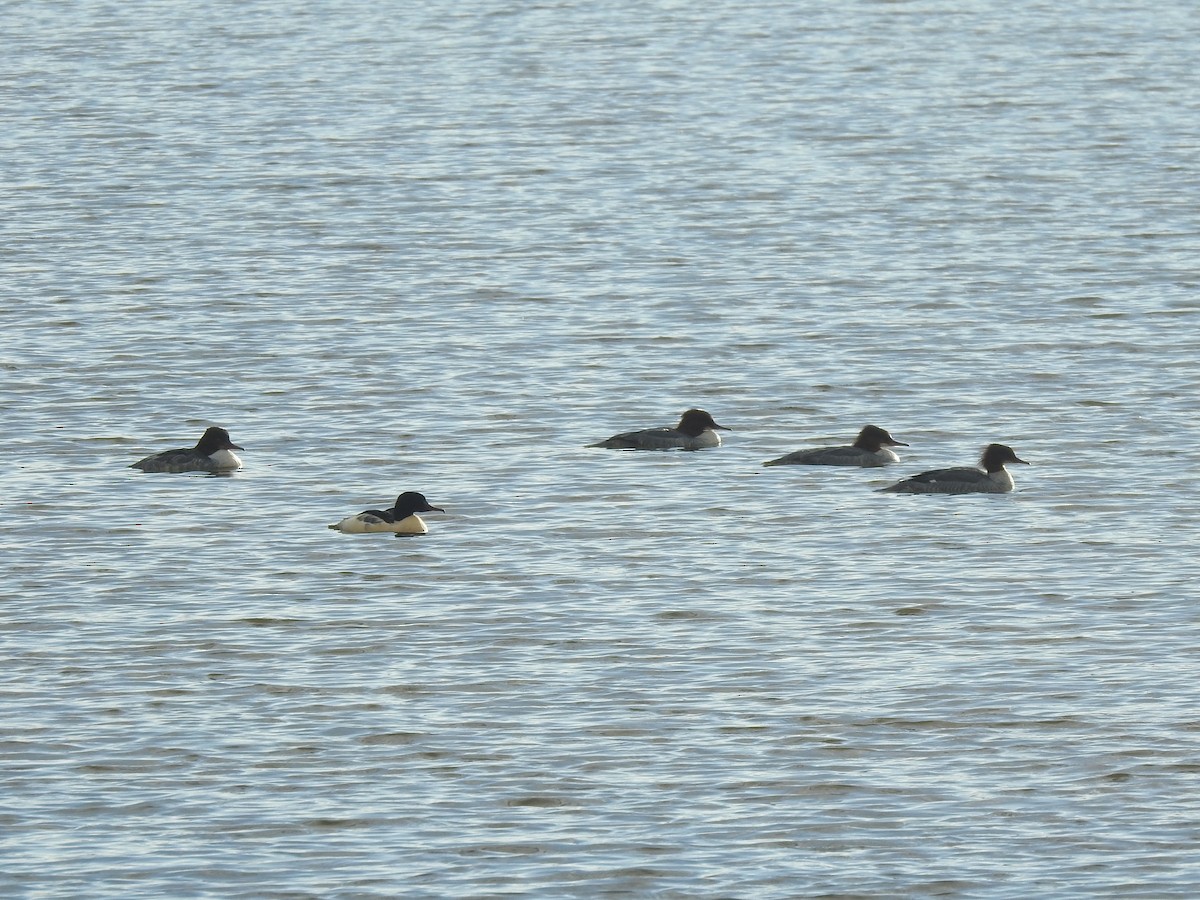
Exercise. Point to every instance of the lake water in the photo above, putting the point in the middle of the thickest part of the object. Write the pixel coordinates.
(443, 248)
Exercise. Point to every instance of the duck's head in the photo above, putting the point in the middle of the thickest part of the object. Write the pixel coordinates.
(215, 439)
(413, 502)
(872, 437)
(696, 421)
(996, 455)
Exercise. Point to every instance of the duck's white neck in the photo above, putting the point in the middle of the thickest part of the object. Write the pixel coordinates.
(412, 524)
(225, 459)
(705, 439)
(1002, 478)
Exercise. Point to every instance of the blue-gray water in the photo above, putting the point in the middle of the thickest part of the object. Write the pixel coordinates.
(442, 249)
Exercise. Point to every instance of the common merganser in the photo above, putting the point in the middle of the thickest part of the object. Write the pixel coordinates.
(695, 431)
(400, 519)
(211, 454)
(869, 449)
(990, 478)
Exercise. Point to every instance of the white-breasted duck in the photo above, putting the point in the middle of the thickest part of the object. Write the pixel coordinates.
(696, 431)
(870, 448)
(989, 478)
(402, 518)
(212, 453)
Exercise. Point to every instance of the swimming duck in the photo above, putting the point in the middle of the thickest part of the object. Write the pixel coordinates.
(869, 449)
(211, 454)
(990, 478)
(695, 431)
(400, 519)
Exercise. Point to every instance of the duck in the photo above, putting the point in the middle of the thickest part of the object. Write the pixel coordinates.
(989, 478)
(696, 431)
(212, 453)
(869, 449)
(402, 518)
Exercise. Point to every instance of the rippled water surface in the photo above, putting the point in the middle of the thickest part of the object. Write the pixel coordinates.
(443, 248)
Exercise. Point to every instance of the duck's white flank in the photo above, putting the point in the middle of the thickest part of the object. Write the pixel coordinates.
(368, 523)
